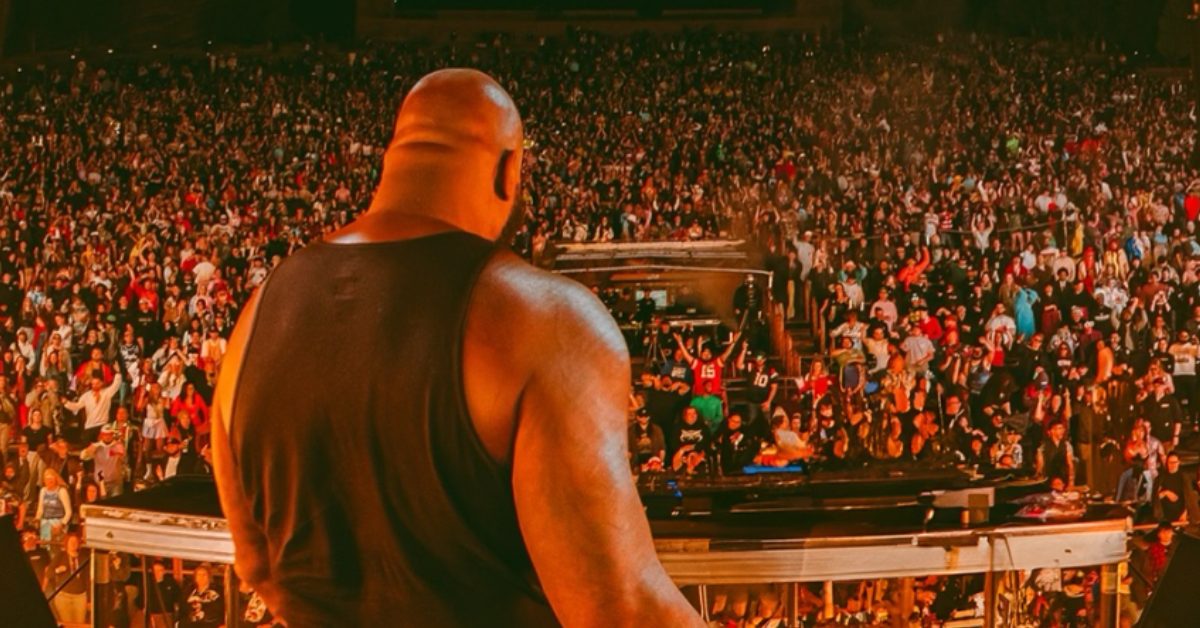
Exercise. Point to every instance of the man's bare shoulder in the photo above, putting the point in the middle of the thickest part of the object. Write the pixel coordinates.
(526, 326)
(539, 305)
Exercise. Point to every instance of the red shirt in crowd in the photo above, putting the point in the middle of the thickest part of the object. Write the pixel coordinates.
(705, 372)
(84, 373)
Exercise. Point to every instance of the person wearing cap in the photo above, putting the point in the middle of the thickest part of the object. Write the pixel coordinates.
(108, 456)
(762, 388)
(646, 441)
(805, 254)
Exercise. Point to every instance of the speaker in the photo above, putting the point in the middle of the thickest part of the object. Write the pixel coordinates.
(21, 597)
(1175, 595)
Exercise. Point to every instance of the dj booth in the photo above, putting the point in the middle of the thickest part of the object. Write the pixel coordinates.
(820, 528)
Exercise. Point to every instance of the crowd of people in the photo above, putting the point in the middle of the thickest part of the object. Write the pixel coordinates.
(1002, 259)
(999, 258)
(994, 240)
(1047, 597)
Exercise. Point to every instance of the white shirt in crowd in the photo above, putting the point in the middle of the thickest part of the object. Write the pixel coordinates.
(1185, 357)
(96, 404)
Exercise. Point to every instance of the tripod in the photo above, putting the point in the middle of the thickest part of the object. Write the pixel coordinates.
(653, 351)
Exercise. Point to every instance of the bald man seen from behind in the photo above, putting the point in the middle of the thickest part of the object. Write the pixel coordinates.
(414, 427)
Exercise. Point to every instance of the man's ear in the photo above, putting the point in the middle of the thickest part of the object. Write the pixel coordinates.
(508, 170)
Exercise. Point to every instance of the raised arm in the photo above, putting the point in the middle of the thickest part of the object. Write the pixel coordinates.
(687, 355)
(571, 481)
(923, 263)
(740, 362)
(73, 406)
(736, 337)
(116, 383)
(732, 345)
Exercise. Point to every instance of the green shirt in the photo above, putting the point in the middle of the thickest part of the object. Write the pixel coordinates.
(710, 410)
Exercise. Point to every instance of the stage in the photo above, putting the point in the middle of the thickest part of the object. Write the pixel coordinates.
(824, 544)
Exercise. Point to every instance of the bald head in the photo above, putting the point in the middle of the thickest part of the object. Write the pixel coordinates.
(458, 108)
(455, 154)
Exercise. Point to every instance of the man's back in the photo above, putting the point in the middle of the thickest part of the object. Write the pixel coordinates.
(417, 422)
(380, 502)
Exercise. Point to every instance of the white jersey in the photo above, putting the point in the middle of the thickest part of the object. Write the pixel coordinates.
(1185, 358)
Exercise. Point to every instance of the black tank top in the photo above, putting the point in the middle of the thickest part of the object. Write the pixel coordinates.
(353, 444)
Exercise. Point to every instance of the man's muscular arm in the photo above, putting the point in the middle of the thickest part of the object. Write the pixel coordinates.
(579, 511)
(251, 559)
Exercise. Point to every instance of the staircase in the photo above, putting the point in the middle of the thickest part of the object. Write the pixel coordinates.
(802, 343)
